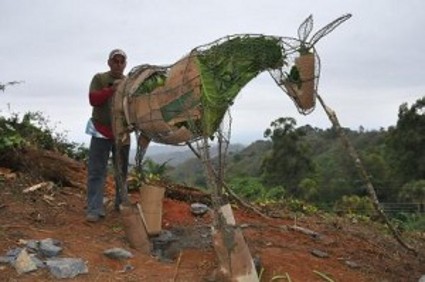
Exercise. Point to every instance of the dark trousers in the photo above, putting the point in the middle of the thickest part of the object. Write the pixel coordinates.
(99, 152)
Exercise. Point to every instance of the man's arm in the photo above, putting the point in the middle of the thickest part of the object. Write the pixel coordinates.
(99, 93)
(99, 97)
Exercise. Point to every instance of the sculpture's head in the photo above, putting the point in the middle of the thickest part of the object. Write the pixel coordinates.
(299, 76)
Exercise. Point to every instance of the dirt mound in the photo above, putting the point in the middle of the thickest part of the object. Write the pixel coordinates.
(317, 248)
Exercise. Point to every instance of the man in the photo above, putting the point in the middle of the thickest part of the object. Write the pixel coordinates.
(102, 142)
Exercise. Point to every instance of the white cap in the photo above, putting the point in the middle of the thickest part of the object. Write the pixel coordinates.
(117, 52)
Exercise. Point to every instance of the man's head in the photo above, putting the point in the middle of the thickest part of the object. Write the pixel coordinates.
(117, 62)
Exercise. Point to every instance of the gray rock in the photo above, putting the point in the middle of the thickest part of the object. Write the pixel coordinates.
(165, 236)
(422, 279)
(50, 247)
(33, 245)
(198, 208)
(24, 263)
(258, 264)
(118, 253)
(39, 263)
(162, 242)
(47, 247)
(6, 259)
(127, 268)
(352, 264)
(10, 256)
(66, 267)
(14, 252)
(319, 253)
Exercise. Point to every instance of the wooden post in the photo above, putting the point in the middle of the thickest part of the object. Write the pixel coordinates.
(234, 257)
(135, 229)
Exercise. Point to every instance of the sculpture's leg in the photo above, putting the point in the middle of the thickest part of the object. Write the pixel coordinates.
(120, 176)
(134, 224)
(143, 144)
(234, 257)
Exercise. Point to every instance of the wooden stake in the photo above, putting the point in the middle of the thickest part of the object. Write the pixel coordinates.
(362, 171)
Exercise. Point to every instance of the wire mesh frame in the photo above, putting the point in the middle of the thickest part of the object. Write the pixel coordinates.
(156, 114)
(215, 171)
(289, 48)
(281, 77)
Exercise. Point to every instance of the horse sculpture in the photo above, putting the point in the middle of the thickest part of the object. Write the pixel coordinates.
(182, 102)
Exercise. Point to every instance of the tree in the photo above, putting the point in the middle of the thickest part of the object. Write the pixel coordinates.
(406, 142)
(414, 191)
(289, 160)
(308, 189)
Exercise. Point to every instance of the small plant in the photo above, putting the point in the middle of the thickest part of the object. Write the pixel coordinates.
(149, 172)
(355, 206)
(300, 206)
(409, 221)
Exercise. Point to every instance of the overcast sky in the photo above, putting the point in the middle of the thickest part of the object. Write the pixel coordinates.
(371, 64)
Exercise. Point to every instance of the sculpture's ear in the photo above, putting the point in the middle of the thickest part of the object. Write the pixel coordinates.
(328, 28)
(305, 28)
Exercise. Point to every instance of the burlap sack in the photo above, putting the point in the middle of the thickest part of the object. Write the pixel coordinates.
(181, 135)
(135, 229)
(305, 94)
(167, 108)
(151, 202)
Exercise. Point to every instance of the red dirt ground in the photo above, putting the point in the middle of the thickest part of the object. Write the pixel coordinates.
(284, 252)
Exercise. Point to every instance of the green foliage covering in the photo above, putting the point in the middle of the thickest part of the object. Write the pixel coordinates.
(227, 67)
(174, 108)
(151, 83)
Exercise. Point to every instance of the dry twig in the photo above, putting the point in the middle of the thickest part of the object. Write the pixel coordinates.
(177, 266)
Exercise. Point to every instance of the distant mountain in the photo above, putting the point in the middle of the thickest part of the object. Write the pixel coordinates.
(175, 155)
(248, 161)
(239, 163)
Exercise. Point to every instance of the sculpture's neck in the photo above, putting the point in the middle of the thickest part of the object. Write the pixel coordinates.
(227, 67)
